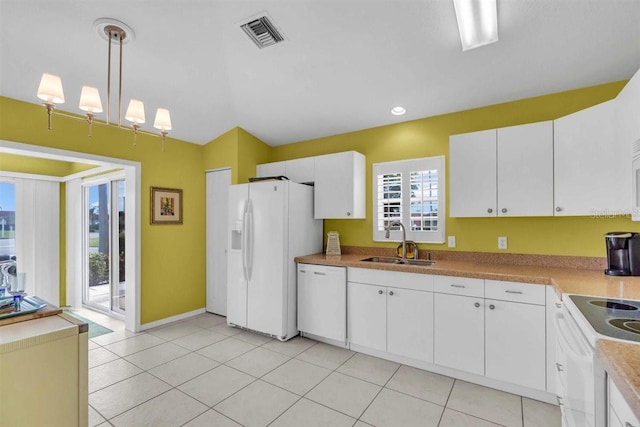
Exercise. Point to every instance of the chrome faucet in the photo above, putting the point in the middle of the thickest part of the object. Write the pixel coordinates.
(404, 236)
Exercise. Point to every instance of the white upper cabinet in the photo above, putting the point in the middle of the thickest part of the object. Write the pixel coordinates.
(340, 185)
(592, 166)
(628, 112)
(472, 177)
(271, 169)
(301, 170)
(339, 182)
(502, 172)
(525, 170)
(298, 170)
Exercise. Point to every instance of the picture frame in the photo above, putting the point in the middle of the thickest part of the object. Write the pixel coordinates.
(166, 206)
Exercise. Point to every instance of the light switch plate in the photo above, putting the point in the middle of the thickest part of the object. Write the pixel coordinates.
(502, 243)
(452, 241)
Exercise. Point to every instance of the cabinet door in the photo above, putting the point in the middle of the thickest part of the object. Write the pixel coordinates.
(301, 170)
(525, 170)
(339, 190)
(459, 332)
(472, 176)
(322, 301)
(515, 348)
(591, 165)
(271, 169)
(410, 323)
(367, 314)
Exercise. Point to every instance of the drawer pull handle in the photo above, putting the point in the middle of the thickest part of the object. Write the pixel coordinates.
(559, 399)
(492, 307)
(319, 273)
(559, 367)
(457, 286)
(476, 305)
(303, 271)
(513, 292)
(380, 291)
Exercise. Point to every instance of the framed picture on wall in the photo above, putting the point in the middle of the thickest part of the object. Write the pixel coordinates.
(166, 206)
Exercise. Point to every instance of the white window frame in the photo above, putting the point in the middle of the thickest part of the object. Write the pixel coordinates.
(405, 167)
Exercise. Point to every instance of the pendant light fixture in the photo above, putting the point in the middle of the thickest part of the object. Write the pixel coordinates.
(50, 89)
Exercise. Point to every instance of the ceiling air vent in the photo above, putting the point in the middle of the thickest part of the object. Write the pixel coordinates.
(262, 32)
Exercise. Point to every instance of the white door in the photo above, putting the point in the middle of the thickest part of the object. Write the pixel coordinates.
(459, 332)
(367, 314)
(472, 175)
(410, 323)
(237, 240)
(515, 343)
(217, 204)
(525, 170)
(268, 232)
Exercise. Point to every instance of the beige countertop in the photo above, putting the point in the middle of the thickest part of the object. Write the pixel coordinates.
(622, 360)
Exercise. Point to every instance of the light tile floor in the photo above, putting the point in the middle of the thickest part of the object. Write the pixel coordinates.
(200, 372)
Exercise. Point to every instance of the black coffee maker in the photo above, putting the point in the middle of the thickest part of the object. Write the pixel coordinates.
(623, 253)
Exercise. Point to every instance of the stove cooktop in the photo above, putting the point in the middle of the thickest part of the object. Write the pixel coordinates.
(614, 318)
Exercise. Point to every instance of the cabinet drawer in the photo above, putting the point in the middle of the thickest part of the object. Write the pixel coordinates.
(397, 279)
(514, 291)
(459, 286)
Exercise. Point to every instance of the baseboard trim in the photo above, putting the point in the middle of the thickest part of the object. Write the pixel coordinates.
(171, 319)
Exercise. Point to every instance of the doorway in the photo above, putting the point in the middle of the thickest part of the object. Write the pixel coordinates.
(75, 245)
(104, 279)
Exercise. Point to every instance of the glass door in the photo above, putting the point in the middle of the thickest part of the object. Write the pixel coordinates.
(104, 237)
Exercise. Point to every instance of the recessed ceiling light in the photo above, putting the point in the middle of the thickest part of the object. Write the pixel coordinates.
(398, 111)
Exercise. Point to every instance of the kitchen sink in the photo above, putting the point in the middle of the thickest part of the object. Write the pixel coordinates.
(400, 261)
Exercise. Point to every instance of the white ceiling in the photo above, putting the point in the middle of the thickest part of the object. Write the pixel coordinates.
(344, 64)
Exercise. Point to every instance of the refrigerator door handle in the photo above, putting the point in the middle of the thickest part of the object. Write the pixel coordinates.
(245, 238)
(249, 247)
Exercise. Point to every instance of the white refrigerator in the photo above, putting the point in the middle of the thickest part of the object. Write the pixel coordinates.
(270, 223)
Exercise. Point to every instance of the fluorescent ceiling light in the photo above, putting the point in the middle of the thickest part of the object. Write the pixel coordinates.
(477, 22)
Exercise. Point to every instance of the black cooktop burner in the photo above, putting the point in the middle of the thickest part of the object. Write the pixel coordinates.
(613, 305)
(611, 317)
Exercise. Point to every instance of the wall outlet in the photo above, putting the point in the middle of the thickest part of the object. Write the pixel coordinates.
(502, 243)
(452, 241)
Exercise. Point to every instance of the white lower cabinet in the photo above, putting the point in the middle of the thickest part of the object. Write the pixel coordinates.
(410, 323)
(515, 343)
(619, 414)
(459, 332)
(392, 319)
(322, 301)
(367, 308)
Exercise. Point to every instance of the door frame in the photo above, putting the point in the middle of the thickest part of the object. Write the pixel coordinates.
(218, 182)
(133, 176)
(108, 178)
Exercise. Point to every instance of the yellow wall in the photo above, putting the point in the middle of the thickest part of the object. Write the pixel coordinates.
(173, 256)
(172, 268)
(580, 236)
(34, 165)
